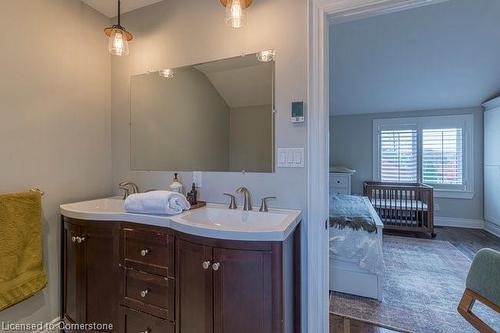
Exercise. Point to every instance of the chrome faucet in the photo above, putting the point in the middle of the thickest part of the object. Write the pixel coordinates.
(126, 186)
(248, 198)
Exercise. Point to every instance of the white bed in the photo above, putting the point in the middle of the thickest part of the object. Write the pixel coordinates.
(356, 259)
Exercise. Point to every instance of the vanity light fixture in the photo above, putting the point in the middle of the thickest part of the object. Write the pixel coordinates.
(167, 73)
(266, 55)
(118, 38)
(236, 12)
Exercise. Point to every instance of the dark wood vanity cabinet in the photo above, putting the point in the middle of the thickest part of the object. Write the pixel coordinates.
(90, 272)
(151, 279)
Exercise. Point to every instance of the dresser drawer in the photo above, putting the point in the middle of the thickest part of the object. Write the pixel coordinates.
(339, 181)
(149, 293)
(137, 322)
(149, 251)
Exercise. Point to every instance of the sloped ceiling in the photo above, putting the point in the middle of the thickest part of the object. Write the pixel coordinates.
(441, 56)
(241, 81)
(109, 7)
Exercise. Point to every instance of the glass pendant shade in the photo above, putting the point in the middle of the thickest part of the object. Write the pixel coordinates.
(236, 13)
(166, 73)
(118, 42)
(266, 55)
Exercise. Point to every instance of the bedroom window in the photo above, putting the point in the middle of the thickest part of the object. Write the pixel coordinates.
(398, 155)
(432, 150)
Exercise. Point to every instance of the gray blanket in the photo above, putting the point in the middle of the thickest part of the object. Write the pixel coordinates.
(350, 211)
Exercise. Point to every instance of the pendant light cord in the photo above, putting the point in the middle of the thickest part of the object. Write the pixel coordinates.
(119, 13)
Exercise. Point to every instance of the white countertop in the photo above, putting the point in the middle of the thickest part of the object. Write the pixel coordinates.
(214, 220)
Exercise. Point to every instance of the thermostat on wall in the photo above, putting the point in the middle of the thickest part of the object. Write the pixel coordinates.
(297, 112)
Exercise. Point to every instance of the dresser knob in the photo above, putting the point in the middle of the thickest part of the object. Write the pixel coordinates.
(80, 239)
(144, 293)
(144, 252)
(147, 330)
(73, 239)
(206, 264)
(216, 266)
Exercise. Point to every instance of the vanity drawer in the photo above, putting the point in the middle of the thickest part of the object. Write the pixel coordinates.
(137, 322)
(148, 251)
(149, 293)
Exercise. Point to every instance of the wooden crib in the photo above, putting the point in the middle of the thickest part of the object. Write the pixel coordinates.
(403, 206)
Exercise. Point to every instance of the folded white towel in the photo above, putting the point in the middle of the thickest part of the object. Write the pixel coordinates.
(157, 203)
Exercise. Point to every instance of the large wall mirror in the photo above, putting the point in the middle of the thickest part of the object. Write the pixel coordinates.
(215, 116)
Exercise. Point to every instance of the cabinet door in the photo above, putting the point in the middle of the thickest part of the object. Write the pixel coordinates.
(194, 288)
(242, 291)
(73, 268)
(101, 290)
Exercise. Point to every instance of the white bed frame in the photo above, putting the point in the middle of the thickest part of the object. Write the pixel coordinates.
(348, 277)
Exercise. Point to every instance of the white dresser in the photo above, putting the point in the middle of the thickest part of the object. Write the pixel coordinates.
(492, 165)
(340, 182)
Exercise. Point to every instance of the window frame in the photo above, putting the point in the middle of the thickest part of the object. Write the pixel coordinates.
(463, 121)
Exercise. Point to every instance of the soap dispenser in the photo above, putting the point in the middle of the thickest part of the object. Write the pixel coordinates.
(176, 185)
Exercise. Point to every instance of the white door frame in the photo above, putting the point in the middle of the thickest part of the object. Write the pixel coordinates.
(315, 304)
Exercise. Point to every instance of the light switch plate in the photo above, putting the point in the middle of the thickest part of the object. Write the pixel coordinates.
(290, 157)
(197, 178)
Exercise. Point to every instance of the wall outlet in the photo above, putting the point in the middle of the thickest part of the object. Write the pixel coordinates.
(197, 178)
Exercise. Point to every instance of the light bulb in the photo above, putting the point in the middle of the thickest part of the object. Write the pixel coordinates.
(166, 73)
(235, 13)
(266, 55)
(118, 44)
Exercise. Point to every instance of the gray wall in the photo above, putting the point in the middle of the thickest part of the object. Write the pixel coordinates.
(176, 33)
(250, 140)
(170, 34)
(351, 142)
(178, 124)
(441, 56)
(55, 119)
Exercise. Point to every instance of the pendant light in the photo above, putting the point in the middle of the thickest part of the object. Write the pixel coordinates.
(236, 12)
(118, 38)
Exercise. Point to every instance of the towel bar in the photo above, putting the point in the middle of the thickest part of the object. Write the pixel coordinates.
(36, 189)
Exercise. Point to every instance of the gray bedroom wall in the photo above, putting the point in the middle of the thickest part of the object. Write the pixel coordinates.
(54, 120)
(441, 56)
(351, 142)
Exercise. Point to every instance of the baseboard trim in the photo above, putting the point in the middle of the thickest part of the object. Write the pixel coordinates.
(458, 222)
(492, 228)
(53, 322)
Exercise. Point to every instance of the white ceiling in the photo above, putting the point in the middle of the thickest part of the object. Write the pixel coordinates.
(109, 7)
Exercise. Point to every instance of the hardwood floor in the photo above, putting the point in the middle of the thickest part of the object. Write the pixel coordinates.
(468, 241)
(339, 325)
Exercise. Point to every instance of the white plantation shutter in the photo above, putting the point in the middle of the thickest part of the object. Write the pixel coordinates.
(398, 155)
(442, 160)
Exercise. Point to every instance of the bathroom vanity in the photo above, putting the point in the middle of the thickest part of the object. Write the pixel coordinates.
(208, 270)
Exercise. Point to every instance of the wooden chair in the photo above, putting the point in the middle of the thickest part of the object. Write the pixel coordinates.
(483, 284)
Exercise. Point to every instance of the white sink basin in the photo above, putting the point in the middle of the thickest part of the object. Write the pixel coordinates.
(215, 221)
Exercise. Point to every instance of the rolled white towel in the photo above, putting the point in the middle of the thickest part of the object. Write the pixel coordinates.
(157, 203)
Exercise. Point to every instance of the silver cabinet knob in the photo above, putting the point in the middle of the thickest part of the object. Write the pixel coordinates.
(73, 239)
(216, 266)
(147, 330)
(206, 264)
(80, 239)
(144, 293)
(144, 252)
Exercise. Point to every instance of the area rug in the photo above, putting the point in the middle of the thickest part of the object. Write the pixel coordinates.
(424, 282)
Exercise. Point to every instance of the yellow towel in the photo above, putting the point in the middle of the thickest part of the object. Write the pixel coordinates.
(21, 260)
